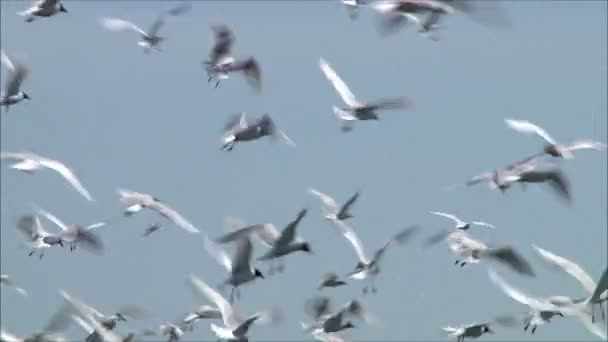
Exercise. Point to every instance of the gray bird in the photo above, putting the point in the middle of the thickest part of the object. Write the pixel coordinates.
(474, 330)
(331, 279)
(42, 8)
(237, 129)
(331, 208)
(18, 72)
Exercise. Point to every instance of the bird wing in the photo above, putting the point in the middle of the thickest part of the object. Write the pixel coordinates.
(338, 83)
(242, 256)
(352, 237)
(53, 219)
(18, 73)
(349, 203)
(569, 267)
(450, 216)
(17, 156)
(510, 257)
(223, 40)
(244, 326)
(121, 25)
(396, 103)
(519, 296)
(29, 225)
(235, 122)
(484, 177)
(323, 336)
(437, 238)
(218, 253)
(526, 127)
(67, 174)
(266, 232)
(174, 217)
(289, 233)
(602, 286)
(83, 313)
(181, 8)
(586, 145)
(215, 297)
(400, 238)
(481, 223)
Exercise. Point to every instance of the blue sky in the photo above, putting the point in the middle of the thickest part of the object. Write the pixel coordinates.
(151, 123)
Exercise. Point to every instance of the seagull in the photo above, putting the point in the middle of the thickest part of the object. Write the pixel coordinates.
(235, 326)
(42, 8)
(552, 147)
(136, 201)
(5, 280)
(462, 225)
(471, 251)
(149, 39)
(18, 72)
(530, 319)
(596, 292)
(331, 208)
(239, 267)
(368, 269)
(396, 13)
(331, 279)
(326, 320)
(88, 318)
(74, 233)
(474, 330)
(279, 244)
(30, 163)
(38, 239)
(110, 322)
(562, 304)
(356, 110)
(237, 129)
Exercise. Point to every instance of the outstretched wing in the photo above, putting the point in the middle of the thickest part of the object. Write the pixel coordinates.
(338, 83)
(526, 127)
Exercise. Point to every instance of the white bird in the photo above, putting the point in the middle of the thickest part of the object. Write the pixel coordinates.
(462, 225)
(279, 244)
(471, 251)
(562, 304)
(42, 8)
(136, 201)
(397, 13)
(5, 280)
(331, 208)
(150, 38)
(369, 268)
(239, 268)
(552, 147)
(18, 72)
(37, 238)
(30, 163)
(87, 318)
(237, 129)
(597, 293)
(474, 330)
(71, 232)
(235, 326)
(356, 110)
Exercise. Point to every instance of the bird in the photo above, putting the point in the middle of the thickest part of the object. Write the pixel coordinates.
(202, 312)
(279, 244)
(328, 320)
(596, 293)
(150, 38)
(473, 330)
(136, 201)
(471, 251)
(238, 130)
(110, 322)
(330, 207)
(331, 279)
(552, 147)
(356, 110)
(235, 326)
(30, 163)
(532, 318)
(239, 267)
(151, 229)
(368, 268)
(37, 238)
(462, 225)
(74, 233)
(5, 280)
(18, 72)
(397, 13)
(42, 8)
(561, 304)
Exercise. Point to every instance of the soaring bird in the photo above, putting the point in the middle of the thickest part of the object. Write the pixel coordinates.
(150, 38)
(460, 224)
(18, 72)
(356, 110)
(30, 163)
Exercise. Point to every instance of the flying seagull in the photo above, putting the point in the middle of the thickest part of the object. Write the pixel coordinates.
(473, 330)
(30, 163)
(37, 238)
(42, 8)
(18, 72)
(552, 147)
(136, 201)
(331, 208)
(237, 129)
(462, 225)
(368, 268)
(356, 110)
(150, 38)
(397, 13)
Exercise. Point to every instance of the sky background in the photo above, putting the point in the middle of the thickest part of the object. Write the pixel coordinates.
(151, 123)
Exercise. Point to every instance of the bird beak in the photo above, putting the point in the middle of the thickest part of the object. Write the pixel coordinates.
(62, 9)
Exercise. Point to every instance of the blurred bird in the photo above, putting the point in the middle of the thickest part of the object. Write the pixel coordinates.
(331, 208)
(356, 110)
(462, 225)
(397, 13)
(151, 229)
(18, 72)
(331, 279)
(37, 238)
(474, 330)
(149, 39)
(52, 332)
(238, 130)
(42, 8)
(30, 163)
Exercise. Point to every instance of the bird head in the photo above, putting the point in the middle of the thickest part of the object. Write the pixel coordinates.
(62, 9)
(258, 273)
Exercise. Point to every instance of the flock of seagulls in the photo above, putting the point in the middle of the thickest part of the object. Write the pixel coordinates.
(278, 244)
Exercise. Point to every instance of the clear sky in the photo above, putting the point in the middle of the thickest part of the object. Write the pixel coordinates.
(151, 123)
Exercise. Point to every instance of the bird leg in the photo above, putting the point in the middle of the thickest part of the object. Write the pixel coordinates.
(32, 252)
(217, 83)
(231, 295)
(463, 263)
(456, 262)
(41, 255)
(534, 328)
